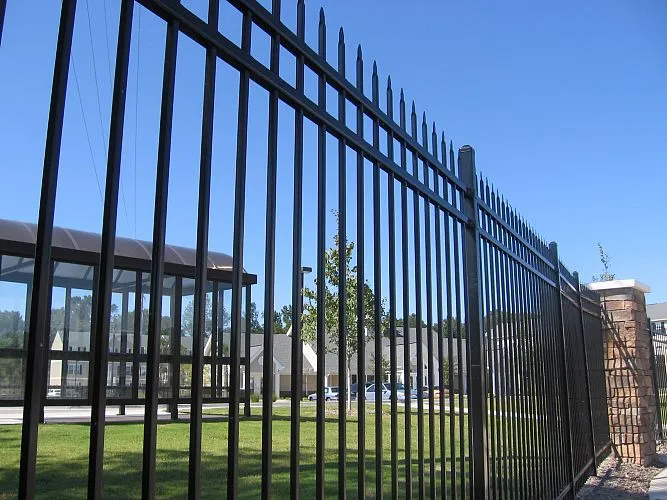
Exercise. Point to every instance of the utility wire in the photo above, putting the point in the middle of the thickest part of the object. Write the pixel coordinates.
(85, 126)
(106, 38)
(99, 108)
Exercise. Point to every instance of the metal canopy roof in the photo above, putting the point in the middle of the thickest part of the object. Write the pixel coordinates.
(72, 239)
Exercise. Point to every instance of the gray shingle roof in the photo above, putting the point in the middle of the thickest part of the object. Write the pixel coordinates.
(657, 311)
(282, 351)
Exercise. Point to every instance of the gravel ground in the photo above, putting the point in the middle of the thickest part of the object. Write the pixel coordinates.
(621, 480)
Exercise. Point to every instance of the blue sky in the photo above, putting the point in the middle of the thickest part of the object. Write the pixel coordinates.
(565, 104)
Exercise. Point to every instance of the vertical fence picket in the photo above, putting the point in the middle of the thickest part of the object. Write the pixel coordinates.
(148, 482)
(270, 267)
(416, 229)
(406, 307)
(450, 339)
(656, 388)
(201, 264)
(321, 277)
(565, 394)
(297, 294)
(489, 331)
(377, 290)
(393, 378)
(342, 284)
(586, 373)
(102, 291)
(429, 324)
(361, 286)
(441, 340)
(237, 267)
(37, 336)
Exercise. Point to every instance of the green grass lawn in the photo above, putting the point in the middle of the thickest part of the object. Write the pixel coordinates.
(63, 456)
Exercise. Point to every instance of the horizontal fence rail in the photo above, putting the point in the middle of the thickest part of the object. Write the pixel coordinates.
(432, 344)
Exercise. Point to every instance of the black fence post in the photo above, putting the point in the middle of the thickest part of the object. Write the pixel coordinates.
(474, 318)
(564, 366)
(587, 368)
(37, 341)
(654, 376)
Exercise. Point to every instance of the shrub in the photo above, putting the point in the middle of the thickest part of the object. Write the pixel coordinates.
(254, 397)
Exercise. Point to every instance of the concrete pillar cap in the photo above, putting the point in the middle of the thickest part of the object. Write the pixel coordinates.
(602, 286)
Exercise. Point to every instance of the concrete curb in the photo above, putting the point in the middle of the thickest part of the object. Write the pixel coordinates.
(658, 488)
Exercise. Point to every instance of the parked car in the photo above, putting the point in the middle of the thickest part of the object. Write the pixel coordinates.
(53, 393)
(354, 388)
(386, 392)
(330, 394)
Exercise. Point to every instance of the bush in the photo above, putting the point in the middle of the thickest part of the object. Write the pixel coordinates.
(274, 397)
(254, 397)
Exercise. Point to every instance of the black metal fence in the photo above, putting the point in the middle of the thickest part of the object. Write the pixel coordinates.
(473, 295)
(659, 368)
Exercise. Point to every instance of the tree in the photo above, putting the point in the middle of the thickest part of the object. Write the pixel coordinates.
(12, 327)
(606, 275)
(12, 330)
(384, 364)
(255, 325)
(412, 321)
(459, 329)
(187, 326)
(282, 320)
(331, 303)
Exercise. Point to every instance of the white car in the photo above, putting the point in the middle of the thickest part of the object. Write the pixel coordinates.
(386, 392)
(330, 394)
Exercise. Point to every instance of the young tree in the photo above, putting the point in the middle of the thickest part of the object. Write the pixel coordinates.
(412, 321)
(459, 329)
(255, 325)
(282, 320)
(606, 275)
(384, 364)
(330, 306)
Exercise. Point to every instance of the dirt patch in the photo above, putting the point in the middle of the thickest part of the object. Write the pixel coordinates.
(618, 479)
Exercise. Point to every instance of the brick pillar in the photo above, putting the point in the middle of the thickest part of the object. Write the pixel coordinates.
(630, 394)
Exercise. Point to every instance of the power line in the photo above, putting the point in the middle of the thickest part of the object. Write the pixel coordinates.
(99, 108)
(106, 38)
(85, 126)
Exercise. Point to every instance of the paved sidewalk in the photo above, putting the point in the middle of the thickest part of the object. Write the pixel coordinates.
(658, 488)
